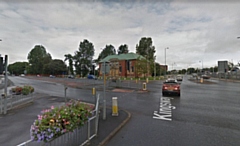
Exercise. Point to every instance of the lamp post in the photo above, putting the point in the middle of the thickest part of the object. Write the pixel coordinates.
(165, 63)
(202, 65)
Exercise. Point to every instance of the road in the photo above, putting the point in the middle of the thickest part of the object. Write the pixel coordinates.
(205, 114)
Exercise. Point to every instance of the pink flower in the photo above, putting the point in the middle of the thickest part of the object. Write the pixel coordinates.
(52, 107)
(39, 117)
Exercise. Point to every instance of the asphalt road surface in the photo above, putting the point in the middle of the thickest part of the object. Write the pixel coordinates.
(206, 113)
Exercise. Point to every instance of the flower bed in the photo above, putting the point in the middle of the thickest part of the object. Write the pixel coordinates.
(55, 122)
(25, 90)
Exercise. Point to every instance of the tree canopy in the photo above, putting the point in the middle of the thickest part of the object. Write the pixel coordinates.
(123, 49)
(69, 58)
(55, 67)
(108, 50)
(37, 57)
(141, 67)
(84, 57)
(18, 68)
(146, 49)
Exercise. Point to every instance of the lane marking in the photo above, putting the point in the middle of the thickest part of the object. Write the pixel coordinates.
(165, 109)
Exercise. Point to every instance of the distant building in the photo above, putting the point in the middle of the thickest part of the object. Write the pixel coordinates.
(123, 65)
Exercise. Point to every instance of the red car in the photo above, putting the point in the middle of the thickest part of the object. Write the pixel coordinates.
(171, 86)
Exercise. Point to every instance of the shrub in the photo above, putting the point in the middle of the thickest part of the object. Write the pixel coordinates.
(17, 90)
(25, 90)
(55, 122)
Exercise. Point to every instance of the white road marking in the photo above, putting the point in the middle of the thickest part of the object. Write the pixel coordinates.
(165, 109)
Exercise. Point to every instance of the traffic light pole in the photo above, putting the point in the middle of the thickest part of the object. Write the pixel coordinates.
(5, 86)
(104, 92)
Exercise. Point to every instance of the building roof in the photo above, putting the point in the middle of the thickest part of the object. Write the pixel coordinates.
(128, 56)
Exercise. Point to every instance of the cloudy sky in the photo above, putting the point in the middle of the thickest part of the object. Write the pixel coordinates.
(196, 33)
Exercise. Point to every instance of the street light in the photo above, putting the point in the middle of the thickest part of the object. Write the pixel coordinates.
(165, 63)
(202, 64)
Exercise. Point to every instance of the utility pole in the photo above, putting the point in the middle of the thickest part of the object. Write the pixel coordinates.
(5, 86)
(165, 63)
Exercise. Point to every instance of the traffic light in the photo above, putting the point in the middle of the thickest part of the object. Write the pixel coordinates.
(1, 65)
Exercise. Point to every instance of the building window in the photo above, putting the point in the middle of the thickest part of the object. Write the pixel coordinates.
(120, 68)
(132, 68)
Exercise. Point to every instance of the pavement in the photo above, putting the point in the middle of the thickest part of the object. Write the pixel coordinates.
(24, 115)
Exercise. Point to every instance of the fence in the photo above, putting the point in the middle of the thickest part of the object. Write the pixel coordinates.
(231, 76)
(12, 101)
(79, 136)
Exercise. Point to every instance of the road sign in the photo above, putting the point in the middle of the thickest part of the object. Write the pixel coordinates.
(222, 66)
(105, 68)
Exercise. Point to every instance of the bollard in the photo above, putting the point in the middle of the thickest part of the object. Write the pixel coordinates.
(146, 80)
(94, 95)
(114, 107)
(4, 103)
(136, 81)
(144, 86)
(201, 80)
(65, 93)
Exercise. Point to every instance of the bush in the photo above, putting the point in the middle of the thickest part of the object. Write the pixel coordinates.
(25, 90)
(55, 122)
(17, 90)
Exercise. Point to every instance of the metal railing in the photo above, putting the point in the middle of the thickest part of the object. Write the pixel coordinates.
(12, 101)
(80, 136)
(231, 76)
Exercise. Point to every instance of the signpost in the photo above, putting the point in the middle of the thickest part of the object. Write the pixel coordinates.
(105, 68)
(222, 68)
(4, 96)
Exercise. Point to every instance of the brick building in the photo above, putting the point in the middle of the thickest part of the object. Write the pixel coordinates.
(123, 65)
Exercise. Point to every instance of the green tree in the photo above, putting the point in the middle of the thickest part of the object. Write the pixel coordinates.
(69, 58)
(18, 68)
(108, 50)
(37, 58)
(55, 67)
(147, 50)
(159, 70)
(84, 57)
(183, 71)
(140, 67)
(191, 70)
(230, 65)
(123, 49)
(214, 69)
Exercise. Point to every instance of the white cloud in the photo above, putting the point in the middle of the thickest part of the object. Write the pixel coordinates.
(193, 31)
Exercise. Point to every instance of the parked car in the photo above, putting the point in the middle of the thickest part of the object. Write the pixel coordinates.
(52, 76)
(171, 86)
(194, 75)
(71, 77)
(235, 70)
(179, 77)
(205, 76)
(91, 77)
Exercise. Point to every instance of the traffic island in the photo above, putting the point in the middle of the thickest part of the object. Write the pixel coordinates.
(203, 82)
